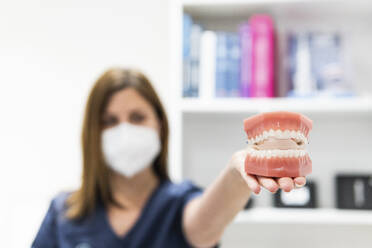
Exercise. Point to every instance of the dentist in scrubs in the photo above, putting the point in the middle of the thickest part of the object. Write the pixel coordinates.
(126, 198)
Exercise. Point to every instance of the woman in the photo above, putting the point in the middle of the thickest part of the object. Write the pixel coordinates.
(126, 198)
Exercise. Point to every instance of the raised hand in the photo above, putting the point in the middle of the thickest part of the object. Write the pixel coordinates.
(255, 182)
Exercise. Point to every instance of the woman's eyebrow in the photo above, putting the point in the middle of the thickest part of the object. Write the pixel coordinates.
(136, 109)
(105, 115)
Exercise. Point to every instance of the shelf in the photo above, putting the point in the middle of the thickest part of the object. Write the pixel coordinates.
(254, 105)
(241, 7)
(305, 216)
(355, 5)
(237, 2)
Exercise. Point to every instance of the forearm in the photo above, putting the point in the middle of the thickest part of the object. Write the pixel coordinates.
(206, 217)
(209, 214)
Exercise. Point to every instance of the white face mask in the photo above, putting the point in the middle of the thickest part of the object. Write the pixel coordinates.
(129, 148)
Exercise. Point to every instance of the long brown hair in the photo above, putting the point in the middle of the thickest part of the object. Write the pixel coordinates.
(95, 177)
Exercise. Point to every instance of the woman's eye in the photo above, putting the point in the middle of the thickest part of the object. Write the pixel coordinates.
(109, 121)
(136, 117)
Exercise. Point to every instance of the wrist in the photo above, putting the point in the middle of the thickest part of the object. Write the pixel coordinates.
(235, 171)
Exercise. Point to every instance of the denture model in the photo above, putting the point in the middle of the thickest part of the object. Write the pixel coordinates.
(277, 144)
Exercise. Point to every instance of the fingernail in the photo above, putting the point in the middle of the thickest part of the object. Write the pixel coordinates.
(273, 190)
(299, 185)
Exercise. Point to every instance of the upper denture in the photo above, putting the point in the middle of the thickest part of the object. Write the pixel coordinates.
(281, 120)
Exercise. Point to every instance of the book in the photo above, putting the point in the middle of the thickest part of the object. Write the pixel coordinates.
(208, 65)
(232, 83)
(186, 73)
(245, 60)
(328, 65)
(282, 64)
(221, 64)
(317, 65)
(302, 78)
(196, 31)
(262, 32)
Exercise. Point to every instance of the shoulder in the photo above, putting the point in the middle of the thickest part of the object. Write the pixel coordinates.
(58, 206)
(59, 200)
(58, 203)
(46, 236)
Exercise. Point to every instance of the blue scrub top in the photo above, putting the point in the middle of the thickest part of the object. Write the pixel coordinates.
(158, 226)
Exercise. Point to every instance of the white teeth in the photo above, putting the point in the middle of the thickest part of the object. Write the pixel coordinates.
(297, 135)
(277, 153)
(278, 133)
(286, 153)
(274, 153)
(286, 134)
(268, 154)
(271, 133)
(290, 153)
(303, 138)
(293, 134)
(300, 135)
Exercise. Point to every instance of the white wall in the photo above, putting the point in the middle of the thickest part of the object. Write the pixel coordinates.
(50, 54)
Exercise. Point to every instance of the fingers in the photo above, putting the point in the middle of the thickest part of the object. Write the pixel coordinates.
(300, 181)
(252, 183)
(249, 179)
(286, 183)
(268, 183)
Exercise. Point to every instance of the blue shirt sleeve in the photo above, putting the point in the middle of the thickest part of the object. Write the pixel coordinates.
(189, 192)
(192, 192)
(46, 236)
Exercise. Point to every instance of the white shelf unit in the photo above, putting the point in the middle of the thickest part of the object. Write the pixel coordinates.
(205, 133)
(255, 105)
(305, 216)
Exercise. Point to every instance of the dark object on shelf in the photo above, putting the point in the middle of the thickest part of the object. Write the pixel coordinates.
(354, 191)
(304, 197)
(249, 203)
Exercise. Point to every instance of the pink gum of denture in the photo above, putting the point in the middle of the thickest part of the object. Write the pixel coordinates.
(278, 166)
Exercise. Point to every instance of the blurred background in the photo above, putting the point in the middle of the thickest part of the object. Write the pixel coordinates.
(213, 64)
